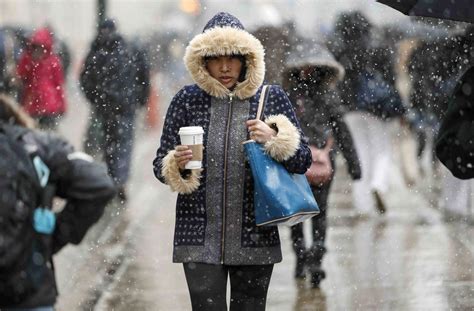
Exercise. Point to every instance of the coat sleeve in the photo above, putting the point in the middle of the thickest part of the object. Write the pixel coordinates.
(88, 78)
(24, 67)
(164, 165)
(83, 183)
(289, 145)
(343, 136)
(58, 77)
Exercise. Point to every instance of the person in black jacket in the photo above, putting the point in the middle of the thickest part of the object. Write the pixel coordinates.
(310, 75)
(455, 142)
(107, 82)
(370, 95)
(86, 189)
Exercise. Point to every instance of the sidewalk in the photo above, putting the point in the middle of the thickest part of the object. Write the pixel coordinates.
(406, 260)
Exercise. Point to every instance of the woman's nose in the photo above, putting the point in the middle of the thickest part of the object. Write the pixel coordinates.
(225, 66)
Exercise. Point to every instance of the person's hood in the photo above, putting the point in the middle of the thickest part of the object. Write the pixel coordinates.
(224, 35)
(111, 42)
(352, 25)
(42, 37)
(309, 53)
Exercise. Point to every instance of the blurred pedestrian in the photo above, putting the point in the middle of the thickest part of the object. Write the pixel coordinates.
(10, 50)
(276, 39)
(141, 71)
(434, 69)
(107, 81)
(215, 233)
(455, 149)
(310, 76)
(41, 72)
(368, 92)
(46, 166)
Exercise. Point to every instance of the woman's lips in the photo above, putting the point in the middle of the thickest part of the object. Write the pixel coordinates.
(226, 80)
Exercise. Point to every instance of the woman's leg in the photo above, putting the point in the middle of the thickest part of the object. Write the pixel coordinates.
(363, 201)
(119, 131)
(299, 248)
(318, 249)
(381, 147)
(207, 286)
(249, 287)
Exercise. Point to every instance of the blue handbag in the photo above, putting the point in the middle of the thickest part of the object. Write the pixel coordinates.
(280, 198)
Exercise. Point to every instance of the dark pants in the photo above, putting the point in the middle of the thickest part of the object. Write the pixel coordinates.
(118, 144)
(313, 256)
(208, 286)
(94, 140)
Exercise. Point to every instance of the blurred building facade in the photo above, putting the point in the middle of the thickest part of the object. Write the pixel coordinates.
(75, 20)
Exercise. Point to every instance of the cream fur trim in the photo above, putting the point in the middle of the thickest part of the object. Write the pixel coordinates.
(285, 144)
(220, 41)
(173, 178)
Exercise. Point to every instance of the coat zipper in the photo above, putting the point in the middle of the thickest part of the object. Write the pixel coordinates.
(224, 195)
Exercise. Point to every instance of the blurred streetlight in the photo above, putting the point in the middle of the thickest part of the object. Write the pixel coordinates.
(190, 6)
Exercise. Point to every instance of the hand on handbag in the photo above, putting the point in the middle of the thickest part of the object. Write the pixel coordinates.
(260, 131)
(321, 170)
(279, 196)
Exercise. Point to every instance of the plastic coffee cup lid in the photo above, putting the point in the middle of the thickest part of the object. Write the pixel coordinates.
(191, 130)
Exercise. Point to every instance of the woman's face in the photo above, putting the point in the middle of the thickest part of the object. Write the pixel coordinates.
(225, 69)
(37, 51)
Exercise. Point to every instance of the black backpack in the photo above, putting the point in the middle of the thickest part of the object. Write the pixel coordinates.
(20, 194)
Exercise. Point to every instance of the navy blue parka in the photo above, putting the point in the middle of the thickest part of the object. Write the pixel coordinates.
(215, 220)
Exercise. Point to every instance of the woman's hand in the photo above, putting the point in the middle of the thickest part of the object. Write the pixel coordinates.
(182, 156)
(260, 131)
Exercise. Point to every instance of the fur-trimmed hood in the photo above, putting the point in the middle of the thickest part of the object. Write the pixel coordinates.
(224, 34)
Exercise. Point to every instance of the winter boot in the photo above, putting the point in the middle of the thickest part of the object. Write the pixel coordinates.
(317, 277)
(122, 194)
(300, 266)
(300, 250)
(314, 258)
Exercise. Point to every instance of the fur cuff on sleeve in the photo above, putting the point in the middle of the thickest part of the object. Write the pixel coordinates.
(172, 175)
(285, 144)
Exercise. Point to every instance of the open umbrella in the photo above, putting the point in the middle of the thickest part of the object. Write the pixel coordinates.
(457, 10)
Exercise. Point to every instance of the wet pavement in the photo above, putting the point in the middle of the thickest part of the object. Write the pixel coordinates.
(408, 259)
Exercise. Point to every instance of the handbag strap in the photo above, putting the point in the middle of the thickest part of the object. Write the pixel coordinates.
(261, 101)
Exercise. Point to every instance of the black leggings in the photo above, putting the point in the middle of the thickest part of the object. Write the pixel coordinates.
(208, 286)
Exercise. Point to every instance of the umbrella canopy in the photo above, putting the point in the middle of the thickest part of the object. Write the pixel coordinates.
(457, 10)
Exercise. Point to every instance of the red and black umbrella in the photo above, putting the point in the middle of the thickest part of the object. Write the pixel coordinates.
(457, 10)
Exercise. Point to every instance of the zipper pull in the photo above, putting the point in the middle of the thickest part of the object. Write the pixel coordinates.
(231, 96)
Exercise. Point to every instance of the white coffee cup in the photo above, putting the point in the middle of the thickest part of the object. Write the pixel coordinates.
(192, 136)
